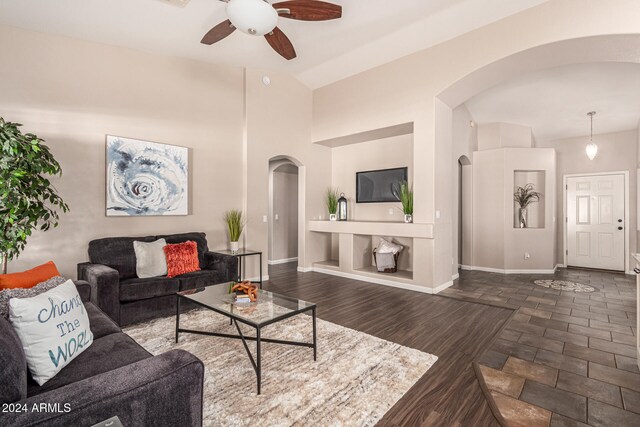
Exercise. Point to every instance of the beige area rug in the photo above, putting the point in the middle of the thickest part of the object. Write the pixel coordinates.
(355, 381)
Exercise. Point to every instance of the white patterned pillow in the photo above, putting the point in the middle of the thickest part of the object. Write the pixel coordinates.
(53, 328)
(150, 258)
(7, 294)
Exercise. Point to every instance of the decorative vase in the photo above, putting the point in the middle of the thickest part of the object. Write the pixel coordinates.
(234, 247)
(522, 217)
(408, 218)
(333, 217)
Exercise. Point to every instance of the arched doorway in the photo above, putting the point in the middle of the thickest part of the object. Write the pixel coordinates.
(464, 212)
(286, 212)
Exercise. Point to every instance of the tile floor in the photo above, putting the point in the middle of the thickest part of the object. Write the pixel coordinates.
(564, 358)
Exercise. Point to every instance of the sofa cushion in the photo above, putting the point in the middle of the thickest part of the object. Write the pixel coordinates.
(199, 238)
(53, 328)
(13, 365)
(181, 258)
(199, 279)
(105, 354)
(117, 253)
(150, 258)
(137, 289)
(101, 324)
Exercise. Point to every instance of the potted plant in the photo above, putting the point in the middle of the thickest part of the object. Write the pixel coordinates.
(28, 200)
(235, 225)
(524, 196)
(332, 203)
(405, 194)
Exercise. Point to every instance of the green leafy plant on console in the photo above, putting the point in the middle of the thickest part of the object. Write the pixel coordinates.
(28, 200)
(332, 200)
(235, 224)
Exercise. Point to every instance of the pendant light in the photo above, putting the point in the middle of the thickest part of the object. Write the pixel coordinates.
(592, 148)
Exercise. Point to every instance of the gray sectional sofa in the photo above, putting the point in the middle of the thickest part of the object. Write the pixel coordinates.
(112, 377)
(126, 298)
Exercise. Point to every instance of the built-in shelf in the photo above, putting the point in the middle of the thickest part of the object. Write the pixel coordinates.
(399, 276)
(367, 136)
(374, 228)
(331, 264)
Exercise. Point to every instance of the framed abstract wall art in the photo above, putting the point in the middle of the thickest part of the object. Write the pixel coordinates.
(146, 178)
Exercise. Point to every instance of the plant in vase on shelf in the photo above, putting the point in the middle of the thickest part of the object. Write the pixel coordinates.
(332, 203)
(405, 194)
(27, 198)
(235, 225)
(524, 196)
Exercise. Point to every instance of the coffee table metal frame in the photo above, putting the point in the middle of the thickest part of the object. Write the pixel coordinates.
(256, 361)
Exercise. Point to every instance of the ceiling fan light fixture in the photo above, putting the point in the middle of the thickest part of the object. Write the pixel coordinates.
(254, 17)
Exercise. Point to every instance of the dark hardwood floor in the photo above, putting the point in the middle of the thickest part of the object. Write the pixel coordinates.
(456, 331)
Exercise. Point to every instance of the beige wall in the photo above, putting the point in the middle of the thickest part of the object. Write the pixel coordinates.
(501, 135)
(278, 120)
(285, 208)
(616, 152)
(465, 142)
(497, 243)
(385, 153)
(72, 93)
(406, 90)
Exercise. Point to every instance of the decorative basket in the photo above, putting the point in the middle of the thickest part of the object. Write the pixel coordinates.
(387, 270)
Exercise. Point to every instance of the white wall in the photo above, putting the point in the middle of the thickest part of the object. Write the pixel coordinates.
(616, 152)
(385, 153)
(72, 93)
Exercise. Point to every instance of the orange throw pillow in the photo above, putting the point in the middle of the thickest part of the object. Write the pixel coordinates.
(29, 278)
(181, 258)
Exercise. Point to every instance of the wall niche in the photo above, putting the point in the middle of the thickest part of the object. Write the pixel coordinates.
(534, 216)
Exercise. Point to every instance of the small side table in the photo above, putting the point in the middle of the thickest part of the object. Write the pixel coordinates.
(241, 253)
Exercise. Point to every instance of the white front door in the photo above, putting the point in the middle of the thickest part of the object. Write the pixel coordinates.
(595, 222)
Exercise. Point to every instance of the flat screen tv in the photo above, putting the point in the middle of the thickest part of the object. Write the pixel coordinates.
(379, 186)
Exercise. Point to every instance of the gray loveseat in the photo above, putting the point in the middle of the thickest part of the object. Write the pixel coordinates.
(126, 298)
(114, 376)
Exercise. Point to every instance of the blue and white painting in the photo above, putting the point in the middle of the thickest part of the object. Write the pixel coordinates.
(146, 178)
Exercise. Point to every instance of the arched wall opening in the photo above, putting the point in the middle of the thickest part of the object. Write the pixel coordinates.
(282, 227)
(605, 48)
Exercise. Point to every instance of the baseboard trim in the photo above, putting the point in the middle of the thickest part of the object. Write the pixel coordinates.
(265, 277)
(466, 267)
(455, 276)
(282, 261)
(509, 271)
(305, 269)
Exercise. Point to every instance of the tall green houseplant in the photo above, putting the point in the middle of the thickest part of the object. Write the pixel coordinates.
(28, 200)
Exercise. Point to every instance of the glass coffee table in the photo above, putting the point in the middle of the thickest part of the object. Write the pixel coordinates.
(268, 309)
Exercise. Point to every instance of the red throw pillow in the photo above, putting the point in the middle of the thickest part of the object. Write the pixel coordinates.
(29, 278)
(181, 258)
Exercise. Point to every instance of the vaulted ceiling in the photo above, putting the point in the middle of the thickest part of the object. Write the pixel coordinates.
(555, 102)
(371, 32)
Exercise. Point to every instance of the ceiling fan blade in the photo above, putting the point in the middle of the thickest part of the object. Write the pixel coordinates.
(308, 10)
(281, 43)
(218, 32)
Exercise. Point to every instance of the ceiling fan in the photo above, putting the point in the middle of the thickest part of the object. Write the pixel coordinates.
(260, 18)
